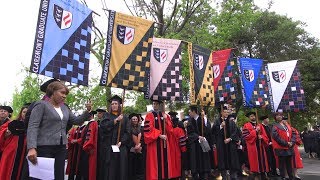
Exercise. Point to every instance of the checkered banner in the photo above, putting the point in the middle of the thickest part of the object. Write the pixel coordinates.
(201, 77)
(254, 83)
(127, 56)
(224, 73)
(63, 39)
(285, 85)
(165, 70)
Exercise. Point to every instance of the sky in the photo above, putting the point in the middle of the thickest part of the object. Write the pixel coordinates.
(19, 19)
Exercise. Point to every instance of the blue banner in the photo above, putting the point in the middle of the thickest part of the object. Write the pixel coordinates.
(63, 39)
(254, 82)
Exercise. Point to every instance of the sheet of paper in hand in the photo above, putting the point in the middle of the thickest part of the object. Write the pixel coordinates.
(44, 169)
(205, 145)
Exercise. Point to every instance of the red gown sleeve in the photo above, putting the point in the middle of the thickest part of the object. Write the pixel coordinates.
(3, 130)
(90, 142)
(250, 134)
(182, 139)
(169, 127)
(298, 138)
(150, 132)
(264, 135)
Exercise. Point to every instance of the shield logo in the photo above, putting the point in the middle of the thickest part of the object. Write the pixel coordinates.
(160, 55)
(125, 34)
(198, 61)
(62, 17)
(248, 74)
(279, 76)
(216, 71)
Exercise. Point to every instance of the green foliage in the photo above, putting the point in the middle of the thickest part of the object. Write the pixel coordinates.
(30, 92)
(80, 95)
(139, 103)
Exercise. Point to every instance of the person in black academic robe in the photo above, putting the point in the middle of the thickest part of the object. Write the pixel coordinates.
(198, 130)
(113, 165)
(226, 143)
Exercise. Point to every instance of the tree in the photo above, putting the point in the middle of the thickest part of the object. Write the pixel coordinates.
(272, 37)
(30, 92)
(170, 15)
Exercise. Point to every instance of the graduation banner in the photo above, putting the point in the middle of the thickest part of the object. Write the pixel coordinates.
(62, 42)
(165, 70)
(201, 77)
(254, 83)
(127, 56)
(285, 85)
(224, 73)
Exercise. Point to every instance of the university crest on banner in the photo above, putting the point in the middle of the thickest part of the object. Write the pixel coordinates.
(216, 71)
(160, 55)
(125, 34)
(201, 75)
(279, 76)
(248, 74)
(62, 17)
(198, 61)
(127, 53)
(63, 41)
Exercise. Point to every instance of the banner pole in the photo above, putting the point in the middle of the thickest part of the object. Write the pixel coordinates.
(119, 128)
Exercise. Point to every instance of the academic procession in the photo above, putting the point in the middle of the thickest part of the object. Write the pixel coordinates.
(46, 140)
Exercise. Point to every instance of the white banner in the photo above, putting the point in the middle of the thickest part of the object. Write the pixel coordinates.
(280, 74)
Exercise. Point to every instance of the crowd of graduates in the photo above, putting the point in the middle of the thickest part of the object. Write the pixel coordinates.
(108, 145)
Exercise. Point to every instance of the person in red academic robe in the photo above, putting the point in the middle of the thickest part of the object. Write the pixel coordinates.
(269, 148)
(74, 151)
(13, 148)
(157, 126)
(256, 141)
(296, 158)
(178, 144)
(90, 148)
(283, 140)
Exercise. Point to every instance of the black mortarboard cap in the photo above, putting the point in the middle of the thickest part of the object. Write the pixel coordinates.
(193, 108)
(93, 113)
(100, 110)
(44, 86)
(172, 113)
(140, 115)
(250, 113)
(115, 98)
(132, 115)
(27, 104)
(7, 108)
(263, 117)
(16, 127)
(158, 101)
(185, 119)
(232, 116)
